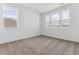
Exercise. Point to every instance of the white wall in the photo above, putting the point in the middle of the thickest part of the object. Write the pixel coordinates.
(29, 25)
(72, 33)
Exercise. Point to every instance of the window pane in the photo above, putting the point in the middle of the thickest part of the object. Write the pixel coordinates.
(55, 19)
(65, 14)
(65, 17)
(65, 21)
(10, 12)
(10, 18)
(47, 19)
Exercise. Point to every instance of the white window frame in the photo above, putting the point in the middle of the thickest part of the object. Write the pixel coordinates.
(60, 22)
(67, 25)
(46, 20)
(55, 25)
(17, 16)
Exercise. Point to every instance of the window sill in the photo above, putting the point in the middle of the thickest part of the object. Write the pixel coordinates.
(60, 27)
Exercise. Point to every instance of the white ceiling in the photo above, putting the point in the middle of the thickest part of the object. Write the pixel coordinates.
(41, 7)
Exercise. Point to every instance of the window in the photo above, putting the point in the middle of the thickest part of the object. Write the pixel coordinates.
(58, 18)
(10, 17)
(55, 19)
(48, 21)
(65, 17)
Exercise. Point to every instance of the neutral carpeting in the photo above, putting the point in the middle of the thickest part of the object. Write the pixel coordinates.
(40, 45)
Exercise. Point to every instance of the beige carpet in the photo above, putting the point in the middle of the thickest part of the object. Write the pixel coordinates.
(40, 45)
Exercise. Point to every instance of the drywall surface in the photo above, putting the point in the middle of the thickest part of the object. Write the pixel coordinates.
(29, 24)
(72, 33)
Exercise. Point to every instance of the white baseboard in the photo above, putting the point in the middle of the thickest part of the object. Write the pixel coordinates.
(4, 42)
(62, 38)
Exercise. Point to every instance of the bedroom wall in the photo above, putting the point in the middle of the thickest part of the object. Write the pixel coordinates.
(29, 24)
(72, 33)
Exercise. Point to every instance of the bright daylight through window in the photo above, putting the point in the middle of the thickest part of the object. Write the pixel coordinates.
(57, 19)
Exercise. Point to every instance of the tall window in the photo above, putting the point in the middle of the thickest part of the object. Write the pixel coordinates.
(58, 19)
(48, 21)
(65, 17)
(55, 19)
(10, 17)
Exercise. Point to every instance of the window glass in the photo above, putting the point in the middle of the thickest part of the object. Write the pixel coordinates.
(65, 17)
(55, 19)
(10, 18)
(10, 12)
(59, 18)
(47, 19)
